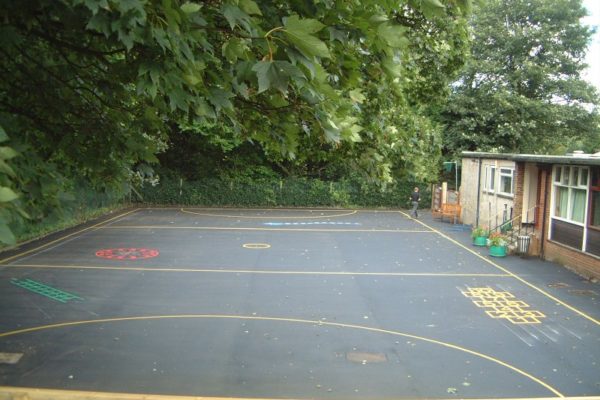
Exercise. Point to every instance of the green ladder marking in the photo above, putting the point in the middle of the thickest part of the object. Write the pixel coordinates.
(44, 290)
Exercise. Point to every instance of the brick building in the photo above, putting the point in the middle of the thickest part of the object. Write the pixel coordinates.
(558, 197)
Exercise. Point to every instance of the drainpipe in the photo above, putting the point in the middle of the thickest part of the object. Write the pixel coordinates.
(544, 214)
(478, 193)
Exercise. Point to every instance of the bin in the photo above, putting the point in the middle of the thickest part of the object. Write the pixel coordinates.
(523, 243)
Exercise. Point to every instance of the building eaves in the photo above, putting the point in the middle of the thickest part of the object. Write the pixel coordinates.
(578, 159)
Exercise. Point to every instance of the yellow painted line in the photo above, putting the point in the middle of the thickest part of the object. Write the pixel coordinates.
(517, 277)
(54, 394)
(25, 393)
(96, 226)
(293, 320)
(271, 216)
(223, 228)
(257, 272)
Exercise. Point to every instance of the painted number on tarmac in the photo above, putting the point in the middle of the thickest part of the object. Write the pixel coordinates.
(503, 305)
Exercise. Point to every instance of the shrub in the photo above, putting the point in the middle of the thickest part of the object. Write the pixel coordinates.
(479, 231)
(498, 239)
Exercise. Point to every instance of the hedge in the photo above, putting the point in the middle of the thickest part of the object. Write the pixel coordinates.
(290, 192)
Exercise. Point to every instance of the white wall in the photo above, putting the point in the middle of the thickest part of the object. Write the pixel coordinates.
(491, 204)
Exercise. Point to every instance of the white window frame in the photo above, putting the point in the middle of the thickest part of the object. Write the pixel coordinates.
(489, 183)
(504, 174)
(564, 176)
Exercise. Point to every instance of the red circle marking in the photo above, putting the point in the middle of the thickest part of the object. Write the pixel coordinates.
(127, 253)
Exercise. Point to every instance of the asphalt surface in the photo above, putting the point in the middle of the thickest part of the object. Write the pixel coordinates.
(301, 304)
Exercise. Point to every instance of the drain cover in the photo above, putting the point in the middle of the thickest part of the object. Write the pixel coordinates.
(578, 292)
(10, 358)
(365, 357)
(558, 285)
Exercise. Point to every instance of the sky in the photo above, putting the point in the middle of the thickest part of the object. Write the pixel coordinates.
(592, 74)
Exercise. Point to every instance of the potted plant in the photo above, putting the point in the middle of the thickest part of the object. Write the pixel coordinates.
(479, 235)
(498, 243)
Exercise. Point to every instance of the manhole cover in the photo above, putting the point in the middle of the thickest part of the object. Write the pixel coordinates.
(558, 285)
(10, 358)
(127, 253)
(256, 246)
(588, 293)
(365, 357)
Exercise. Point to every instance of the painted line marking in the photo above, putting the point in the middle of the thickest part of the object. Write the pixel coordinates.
(45, 290)
(222, 228)
(298, 321)
(56, 394)
(513, 275)
(96, 226)
(310, 223)
(10, 358)
(503, 305)
(271, 216)
(259, 272)
(256, 245)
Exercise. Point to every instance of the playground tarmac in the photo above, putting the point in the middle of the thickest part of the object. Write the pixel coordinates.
(291, 303)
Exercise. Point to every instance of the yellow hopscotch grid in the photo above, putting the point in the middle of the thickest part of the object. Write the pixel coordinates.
(503, 305)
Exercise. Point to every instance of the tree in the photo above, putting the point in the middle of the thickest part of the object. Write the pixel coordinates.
(96, 87)
(521, 90)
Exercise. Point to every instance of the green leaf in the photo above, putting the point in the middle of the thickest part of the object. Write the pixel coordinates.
(190, 8)
(6, 235)
(178, 99)
(302, 25)
(3, 135)
(357, 96)
(298, 31)
(220, 98)
(332, 131)
(22, 213)
(235, 16)
(95, 5)
(275, 74)
(250, 7)
(242, 89)
(126, 5)
(233, 49)
(100, 23)
(392, 67)
(6, 169)
(432, 8)
(351, 133)
(393, 35)
(6, 195)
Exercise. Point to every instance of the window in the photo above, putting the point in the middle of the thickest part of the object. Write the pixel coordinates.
(490, 179)
(595, 218)
(595, 198)
(506, 181)
(570, 193)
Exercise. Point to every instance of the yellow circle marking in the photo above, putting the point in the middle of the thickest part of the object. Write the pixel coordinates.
(269, 216)
(517, 277)
(256, 245)
(291, 320)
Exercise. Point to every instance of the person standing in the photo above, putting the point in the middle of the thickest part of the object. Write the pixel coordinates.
(415, 197)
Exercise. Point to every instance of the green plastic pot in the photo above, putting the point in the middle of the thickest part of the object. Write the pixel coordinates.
(480, 241)
(498, 251)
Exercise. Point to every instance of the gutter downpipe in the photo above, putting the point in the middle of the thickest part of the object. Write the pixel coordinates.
(478, 193)
(544, 214)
